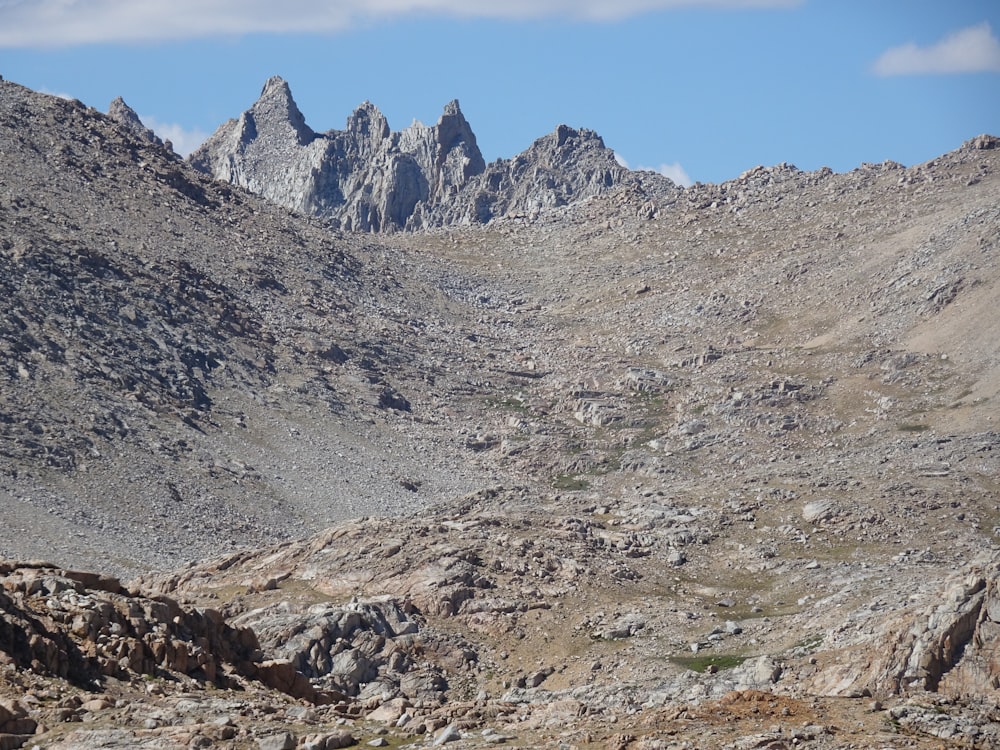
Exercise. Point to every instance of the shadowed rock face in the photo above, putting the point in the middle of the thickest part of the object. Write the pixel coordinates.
(84, 627)
(369, 178)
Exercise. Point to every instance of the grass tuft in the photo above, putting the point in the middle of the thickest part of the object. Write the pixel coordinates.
(570, 483)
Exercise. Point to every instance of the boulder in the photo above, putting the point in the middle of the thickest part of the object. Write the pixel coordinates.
(280, 741)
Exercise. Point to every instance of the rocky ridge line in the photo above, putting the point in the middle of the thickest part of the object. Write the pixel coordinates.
(369, 178)
(751, 431)
(125, 116)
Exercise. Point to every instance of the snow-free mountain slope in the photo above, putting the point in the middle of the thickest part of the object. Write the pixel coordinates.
(648, 467)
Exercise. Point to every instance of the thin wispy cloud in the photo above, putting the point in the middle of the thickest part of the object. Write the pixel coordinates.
(60, 94)
(182, 139)
(675, 172)
(971, 50)
(56, 23)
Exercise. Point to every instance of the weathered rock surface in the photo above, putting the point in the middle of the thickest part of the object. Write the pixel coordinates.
(947, 643)
(369, 178)
(713, 467)
(344, 647)
(85, 627)
(125, 116)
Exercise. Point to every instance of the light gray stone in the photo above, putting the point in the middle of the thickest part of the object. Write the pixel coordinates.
(281, 741)
(449, 734)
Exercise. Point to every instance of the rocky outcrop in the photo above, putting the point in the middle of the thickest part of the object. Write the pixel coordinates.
(16, 724)
(950, 645)
(373, 645)
(125, 116)
(370, 178)
(970, 659)
(85, 627)
(365, 177)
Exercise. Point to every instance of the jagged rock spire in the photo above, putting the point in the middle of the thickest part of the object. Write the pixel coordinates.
(367, 177)
(276, 113)
(368, 127)
(453, 130)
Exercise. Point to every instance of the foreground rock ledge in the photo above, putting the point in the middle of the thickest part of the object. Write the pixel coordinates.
(81, 647)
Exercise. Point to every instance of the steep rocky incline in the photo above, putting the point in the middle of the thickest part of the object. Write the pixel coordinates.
(154, 319)
(713, 467)
(369, 178)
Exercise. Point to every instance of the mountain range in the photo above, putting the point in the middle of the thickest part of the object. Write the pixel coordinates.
(368, 178)
(322, 440)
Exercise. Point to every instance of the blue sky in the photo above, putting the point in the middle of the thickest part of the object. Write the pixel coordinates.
(701, 89)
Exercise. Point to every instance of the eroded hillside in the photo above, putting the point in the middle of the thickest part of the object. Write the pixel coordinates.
(711, 467)
(187, 366)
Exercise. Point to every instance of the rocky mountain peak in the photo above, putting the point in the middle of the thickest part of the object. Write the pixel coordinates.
(368, 122)
(455, 132)
(369, 178)
(125, 116)
(571, 146)
(448, 155)
(276, 113)
(275, 86)
(565, 133)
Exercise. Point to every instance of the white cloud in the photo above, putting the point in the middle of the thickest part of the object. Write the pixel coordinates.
(971, 50)
(54, 23)
(59, 94)
(184, 141)
(675, 172)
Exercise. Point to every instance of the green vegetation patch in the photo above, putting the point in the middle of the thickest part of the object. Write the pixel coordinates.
(808, 644)
(508, 403)
(570, 483)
